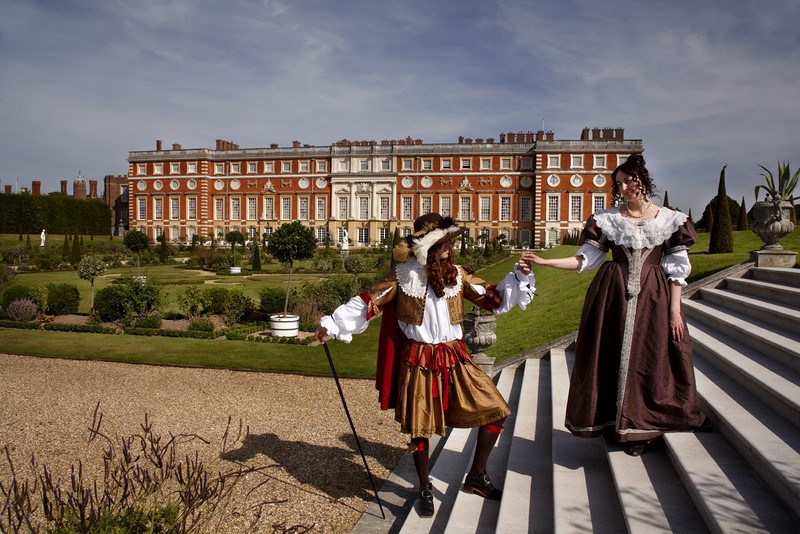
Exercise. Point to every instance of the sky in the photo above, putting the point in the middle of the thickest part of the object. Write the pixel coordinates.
(703, 83)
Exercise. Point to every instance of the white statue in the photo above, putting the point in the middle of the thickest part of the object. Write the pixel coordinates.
(44, 238)
(345, 239)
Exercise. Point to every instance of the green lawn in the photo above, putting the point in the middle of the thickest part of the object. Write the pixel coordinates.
(555, 312)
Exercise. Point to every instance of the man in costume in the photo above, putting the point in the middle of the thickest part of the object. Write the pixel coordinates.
(424, 370)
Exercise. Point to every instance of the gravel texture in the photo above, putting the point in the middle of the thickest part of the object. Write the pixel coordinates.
(292, 427)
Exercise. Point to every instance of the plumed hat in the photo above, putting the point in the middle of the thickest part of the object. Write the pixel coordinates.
(429, 230)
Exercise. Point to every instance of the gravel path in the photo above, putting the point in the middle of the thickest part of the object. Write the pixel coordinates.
(293, 427)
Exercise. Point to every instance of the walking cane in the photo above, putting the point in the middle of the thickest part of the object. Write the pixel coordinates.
(353, 427)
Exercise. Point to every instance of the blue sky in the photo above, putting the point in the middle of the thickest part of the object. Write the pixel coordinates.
(702, 83)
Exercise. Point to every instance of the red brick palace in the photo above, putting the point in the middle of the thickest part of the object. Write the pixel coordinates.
(529, 186)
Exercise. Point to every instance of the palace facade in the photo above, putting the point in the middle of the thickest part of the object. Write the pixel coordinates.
(528, 187)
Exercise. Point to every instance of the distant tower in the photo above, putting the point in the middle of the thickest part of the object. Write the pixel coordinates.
(79, 187)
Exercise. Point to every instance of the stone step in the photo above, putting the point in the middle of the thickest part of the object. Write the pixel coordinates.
(783, 294)
(773, 383)
(756, 336)
(786, 318)
(781, 276)
(583, 488)
(764, 439)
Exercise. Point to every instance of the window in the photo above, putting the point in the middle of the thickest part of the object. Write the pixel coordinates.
(235, 168)
(486, 164)
(576, 162)
(219, 209)
(363, 208)
(343, 165)
(344, 209)
(141, 169)
(174, 168)
(363, 236)
(552, 207)
(142, 208)
(191, 208)
(445, 206)
(175, 233)
(236, 209)
(302, 208)
(252, 167)
(485, 210)
(527, 164)
(408, 165)
(384, 207)
(427, 164)
(466, 163)
(252, 233)
(158, 209)
(553, 162)
(383, 235)
(269, 208)
(269, 166)
(385, 164)
(446, 164)
(190, 233)
(575, 207)
(322, 235)
(600, 162)
(174, 208)
(322, 166)
(286, 208)
(407, 208)
(303, 166)
(159, 231)
(465, 208)
(252, 208)
(191, 167)
(322, 208)
(505, 208)
(158, 168)
(525, 212)
(219, 168)
(287, 166)
(363, 165)
(505, 163)
(406, 231)
(598, 202)
(425, 205)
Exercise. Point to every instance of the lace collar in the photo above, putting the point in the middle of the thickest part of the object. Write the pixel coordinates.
(413, 281)
(642, 234)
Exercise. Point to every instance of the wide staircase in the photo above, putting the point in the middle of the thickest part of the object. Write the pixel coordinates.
(742, 476)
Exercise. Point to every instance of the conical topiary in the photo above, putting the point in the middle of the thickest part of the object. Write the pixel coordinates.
(721, 241)
(744, 222)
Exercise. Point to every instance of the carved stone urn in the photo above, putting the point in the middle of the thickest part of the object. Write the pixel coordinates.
(479, 335)
(772, 221)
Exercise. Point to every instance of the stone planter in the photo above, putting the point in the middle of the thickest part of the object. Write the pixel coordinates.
(771, 222)
(284, 325)
(479, 335)
(236, 270)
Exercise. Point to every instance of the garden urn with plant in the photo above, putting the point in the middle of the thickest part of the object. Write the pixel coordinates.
(289, 243)
(771, 219)
(234, 237)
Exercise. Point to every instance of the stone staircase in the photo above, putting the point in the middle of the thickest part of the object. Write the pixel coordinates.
(744, 476)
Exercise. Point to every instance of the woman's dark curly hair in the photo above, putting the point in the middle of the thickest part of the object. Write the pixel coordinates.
(440, 273)
(633, 166)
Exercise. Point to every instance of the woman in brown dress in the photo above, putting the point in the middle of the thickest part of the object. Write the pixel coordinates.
(633, 376)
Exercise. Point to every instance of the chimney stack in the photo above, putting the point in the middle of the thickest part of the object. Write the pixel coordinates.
(64, 187)
(92, 188)
(37, 187)
(7, 189)
(158, 144)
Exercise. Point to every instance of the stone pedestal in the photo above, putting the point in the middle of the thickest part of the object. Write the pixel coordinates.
(479, 335)
(774, 258)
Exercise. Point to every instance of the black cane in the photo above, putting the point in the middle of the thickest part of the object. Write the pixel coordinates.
(353, 427)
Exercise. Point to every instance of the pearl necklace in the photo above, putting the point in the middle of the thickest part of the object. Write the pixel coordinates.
(641, 214)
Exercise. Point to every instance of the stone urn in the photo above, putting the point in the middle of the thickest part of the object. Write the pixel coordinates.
(479, 335)
(772, 221)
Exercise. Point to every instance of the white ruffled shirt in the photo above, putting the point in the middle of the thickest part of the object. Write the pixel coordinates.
(349, 319)
(639, 235)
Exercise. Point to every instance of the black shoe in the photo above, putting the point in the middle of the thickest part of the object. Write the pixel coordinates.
(426, 500)
(635, 449)
(481, 484)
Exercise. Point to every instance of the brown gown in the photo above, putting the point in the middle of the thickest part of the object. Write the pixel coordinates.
(630, 378)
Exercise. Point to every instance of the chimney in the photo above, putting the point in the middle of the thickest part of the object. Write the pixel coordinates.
(176, 146)
(295, 144)
(595, 133)
(158, 144)
(219, 144)
(549, 135)
(273, 145)
(540, 135)
(607, 133)
(63, 187)
(7, 189)
(619, 134)
(36, 185)
(585, 134)
(502, 138)
(512, 137)
(460, 139)
(92, 188)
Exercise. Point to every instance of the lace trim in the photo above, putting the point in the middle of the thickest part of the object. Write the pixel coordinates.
(413, 281)
(645, 234)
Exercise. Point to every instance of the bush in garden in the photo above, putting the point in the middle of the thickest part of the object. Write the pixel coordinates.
(19, 291)
(149, 321)
(201, 325)
(309, 313)
(22, 310)
(238, 306)
(355, 264)
(143, 298)
(62, 299)
(192, 301)
(110, 302)
(216, 297)
(271, 300)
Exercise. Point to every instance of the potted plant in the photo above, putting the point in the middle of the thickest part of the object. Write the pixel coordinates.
(137, 242)
(234, 237)
(289, 243)
(772, 218)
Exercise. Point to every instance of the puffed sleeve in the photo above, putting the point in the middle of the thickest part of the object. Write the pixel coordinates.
(594, 249)
(353, 316)
(676, 262)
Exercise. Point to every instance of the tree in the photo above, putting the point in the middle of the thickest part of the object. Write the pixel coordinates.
(289, 243)
(163, 249)
(744, 222)
(90, 268)
(234, 237)
(137, 242)
(75, 258)
(721, 234)
(256, 266)
(666, 200)
(64, 254)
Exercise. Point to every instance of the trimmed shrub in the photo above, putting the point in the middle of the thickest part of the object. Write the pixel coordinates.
(110, 303)
(216, 298)
(271, 300)
(192, 301)
(62, 299)
(17, 292)
(22, 310)
(201, 325)
(237, 306)
(149, 321)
